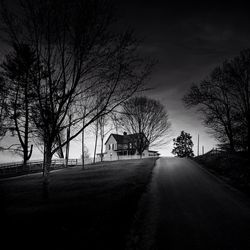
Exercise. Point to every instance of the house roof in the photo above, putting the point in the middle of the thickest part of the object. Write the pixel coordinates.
(124, 139)
(153, 151)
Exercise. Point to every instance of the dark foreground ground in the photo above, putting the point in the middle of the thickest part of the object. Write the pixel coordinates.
(87, 209)
(193, 209)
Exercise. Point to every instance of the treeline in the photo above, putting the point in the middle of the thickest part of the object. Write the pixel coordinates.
(223, 101)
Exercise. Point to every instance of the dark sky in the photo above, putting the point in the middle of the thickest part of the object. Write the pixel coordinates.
(188, 40)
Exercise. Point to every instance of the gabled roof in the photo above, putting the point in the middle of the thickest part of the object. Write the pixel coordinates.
(124, 139)
(152, 151)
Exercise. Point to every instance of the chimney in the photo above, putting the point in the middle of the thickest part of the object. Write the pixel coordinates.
(124, 133)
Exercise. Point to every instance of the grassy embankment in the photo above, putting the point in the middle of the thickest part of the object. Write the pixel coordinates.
(87, 209)
(232, 168)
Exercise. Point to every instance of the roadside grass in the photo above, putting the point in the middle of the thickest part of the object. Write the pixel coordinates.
(87, 209)
(234, 168)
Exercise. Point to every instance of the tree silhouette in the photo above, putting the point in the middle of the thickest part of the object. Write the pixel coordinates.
(223, 100)
(148, 120)
(213, 99)
(19, 70)
(3, 108)
(183, 145)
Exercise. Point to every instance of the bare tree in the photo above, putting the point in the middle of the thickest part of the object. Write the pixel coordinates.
(79, 55)
(238, 77)
(101, 128)
(68, 141)
(59, 140)
(19, 69)
(83, 137)
(104, 128)
(223, 100)
(86, 154)
(96, 131)
(148, 120)
(3, 108)
(214, 102)
(114, 116)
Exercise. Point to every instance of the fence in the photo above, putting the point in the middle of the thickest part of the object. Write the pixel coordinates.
(16, 168)
(125, 157)
(217, 151)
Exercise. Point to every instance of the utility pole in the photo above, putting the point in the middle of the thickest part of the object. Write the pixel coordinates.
(68, 142)
(83, 124)
(203, 150)
(198, 145)
(96, 137)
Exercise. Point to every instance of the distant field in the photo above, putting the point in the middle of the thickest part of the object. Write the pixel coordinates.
(87, 209)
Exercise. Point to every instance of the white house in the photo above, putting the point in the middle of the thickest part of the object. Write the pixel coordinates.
(120, 147)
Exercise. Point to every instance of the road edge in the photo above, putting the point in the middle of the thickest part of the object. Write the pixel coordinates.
(143, 230)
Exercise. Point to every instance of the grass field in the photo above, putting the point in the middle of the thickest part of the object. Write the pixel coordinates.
(87, 209)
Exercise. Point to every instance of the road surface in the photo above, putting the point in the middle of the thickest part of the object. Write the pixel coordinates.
(195, 210)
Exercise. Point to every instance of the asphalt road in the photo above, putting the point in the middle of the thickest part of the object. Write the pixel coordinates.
(196, 210)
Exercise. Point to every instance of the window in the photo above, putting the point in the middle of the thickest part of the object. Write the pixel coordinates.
(110, 146)
(113, 146)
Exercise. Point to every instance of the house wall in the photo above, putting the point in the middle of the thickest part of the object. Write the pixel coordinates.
(122, 146)
(115, 157)
(111, 154)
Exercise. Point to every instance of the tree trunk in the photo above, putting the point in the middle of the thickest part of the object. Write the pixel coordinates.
(26, 156)
(83, 124)
(231, 143)
(83, 149)
(46, 170)
(60, 150)
(102, 136)
(96, 137)
(231, 139)
(102, 148)
(26, 130)
(68, 143)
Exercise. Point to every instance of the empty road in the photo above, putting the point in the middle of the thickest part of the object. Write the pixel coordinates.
(195, 210)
